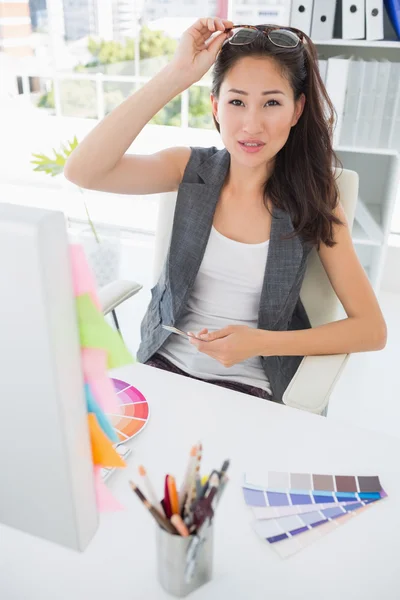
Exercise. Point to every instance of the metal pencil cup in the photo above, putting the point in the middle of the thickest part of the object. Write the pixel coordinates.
(171, 562)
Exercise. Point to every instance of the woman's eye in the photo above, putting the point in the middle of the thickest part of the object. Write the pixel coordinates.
(267, 103)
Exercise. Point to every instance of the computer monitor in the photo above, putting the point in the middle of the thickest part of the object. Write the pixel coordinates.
(46, 470)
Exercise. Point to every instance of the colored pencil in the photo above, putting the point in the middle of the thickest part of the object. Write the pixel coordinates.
(179, 525)
(152, 496)
(164, 523)
(173, 495)
(185, 483)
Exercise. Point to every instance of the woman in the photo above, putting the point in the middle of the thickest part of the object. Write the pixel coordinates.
(246, 217)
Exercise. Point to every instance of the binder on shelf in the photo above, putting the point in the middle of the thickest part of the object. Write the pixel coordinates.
(389, 115)
(366, 105)
(374, 20)
(323, 66)
(323, 19)
(350, 19)
(301, 15)
(336, 86)
(350, 113)
(394, 137)
(393, 10)
(395, 144)
(379, 108)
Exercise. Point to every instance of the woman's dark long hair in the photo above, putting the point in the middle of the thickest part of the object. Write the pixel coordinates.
(303, 180)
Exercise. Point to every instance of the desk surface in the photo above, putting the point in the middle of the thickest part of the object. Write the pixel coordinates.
(357, 561)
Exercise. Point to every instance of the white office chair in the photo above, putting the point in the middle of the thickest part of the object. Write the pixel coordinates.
(313, 383)
(114, 293)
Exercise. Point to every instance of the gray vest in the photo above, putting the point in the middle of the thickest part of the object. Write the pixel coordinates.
(280, 306)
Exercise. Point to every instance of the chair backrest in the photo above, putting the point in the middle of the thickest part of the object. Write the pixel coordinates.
(319, 298)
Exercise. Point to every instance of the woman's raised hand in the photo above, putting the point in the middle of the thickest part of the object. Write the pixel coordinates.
(199, 46)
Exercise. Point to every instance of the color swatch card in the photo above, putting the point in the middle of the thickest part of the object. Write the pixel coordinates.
(271, 512)
(343, 486)
(289, 506)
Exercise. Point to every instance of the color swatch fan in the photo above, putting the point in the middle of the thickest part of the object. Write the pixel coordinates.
(292, 510)
(133, 411)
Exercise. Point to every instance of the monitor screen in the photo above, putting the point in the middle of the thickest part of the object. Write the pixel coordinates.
(47, 485)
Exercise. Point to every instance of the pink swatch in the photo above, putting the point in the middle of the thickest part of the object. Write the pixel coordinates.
(82, 278)
(105, 500)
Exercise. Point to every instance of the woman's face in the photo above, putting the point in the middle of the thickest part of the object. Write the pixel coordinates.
(262, 109)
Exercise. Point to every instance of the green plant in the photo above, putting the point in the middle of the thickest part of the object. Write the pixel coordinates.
(55, 166)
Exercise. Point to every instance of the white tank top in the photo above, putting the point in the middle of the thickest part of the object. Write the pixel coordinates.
(226, 291)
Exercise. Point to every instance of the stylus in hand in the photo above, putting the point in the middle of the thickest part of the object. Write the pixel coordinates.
(180, 332)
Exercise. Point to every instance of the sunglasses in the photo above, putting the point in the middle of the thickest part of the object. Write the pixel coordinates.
(284, 37)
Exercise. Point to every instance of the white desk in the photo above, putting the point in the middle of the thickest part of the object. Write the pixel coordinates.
(357, 561)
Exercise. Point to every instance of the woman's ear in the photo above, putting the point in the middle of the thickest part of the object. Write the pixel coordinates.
(299, 107)
(214, 105)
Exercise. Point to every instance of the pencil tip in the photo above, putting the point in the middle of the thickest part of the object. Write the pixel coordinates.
(142, 470)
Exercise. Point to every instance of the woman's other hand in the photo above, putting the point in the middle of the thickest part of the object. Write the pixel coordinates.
(199, 46)
(230, 345)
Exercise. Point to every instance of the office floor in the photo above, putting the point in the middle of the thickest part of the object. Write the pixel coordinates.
(368, 392)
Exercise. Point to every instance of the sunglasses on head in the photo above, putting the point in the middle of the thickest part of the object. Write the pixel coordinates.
(284, 37)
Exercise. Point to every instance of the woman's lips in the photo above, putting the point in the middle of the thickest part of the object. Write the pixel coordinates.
(251, 149)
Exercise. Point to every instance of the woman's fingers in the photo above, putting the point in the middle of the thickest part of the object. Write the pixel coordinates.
(211, 24)
(205, 330)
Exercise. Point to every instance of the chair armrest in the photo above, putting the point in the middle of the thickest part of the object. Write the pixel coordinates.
(116, 292)
(313, 382)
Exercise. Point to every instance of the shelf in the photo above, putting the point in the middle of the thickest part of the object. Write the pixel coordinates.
(360, 43)
(366, 49)
(365, 150)
(360, 237)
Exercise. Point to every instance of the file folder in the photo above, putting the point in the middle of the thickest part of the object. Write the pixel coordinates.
(393, 10)
(323, 19)
(379, 109)
(336, 86)
(355, 82)
(374, 19)
(366, 106)
(394, 136)
(323, 67)
(393, 93)
(350, 19)
(301, 15)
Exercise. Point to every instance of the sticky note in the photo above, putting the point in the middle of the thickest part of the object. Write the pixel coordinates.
(82, 278)
(105, 500)
(95, 332)
(102, 419)
(103, 452)
(94, 364)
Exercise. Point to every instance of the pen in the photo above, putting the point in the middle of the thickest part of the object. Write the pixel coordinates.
(221, 488)
(193, 550)
(173, 495)
(179, 525)
(224, 468)
(191, 486)
(205, 482)
(185, 483)
(197, 482)
(150, 490)
(204, 507)
(167, 499)
(160, 520)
